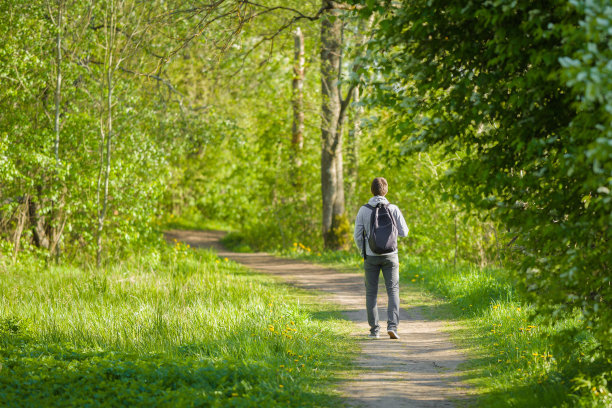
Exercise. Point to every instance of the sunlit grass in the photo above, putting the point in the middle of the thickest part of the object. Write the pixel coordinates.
(519, 358)
(173, 327)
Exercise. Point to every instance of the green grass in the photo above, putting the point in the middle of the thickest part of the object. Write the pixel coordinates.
(192, 220)
(172, 327)
(235, 241)
(517, 357)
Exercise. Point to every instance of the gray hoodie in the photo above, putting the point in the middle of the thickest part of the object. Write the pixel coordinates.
(363, 222)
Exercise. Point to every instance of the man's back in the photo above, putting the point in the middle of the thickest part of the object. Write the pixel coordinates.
(362, 222)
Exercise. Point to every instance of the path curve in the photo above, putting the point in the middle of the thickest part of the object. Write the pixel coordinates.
(420, 370)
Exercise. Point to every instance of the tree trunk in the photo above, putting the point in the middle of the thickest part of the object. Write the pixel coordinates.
(37, 221)
(332, 180)
(297, 140)
(107, 165)
(58, 80)
(58, 217)
(353, 145)
(355, 130)
(22, 215)
(106, 131)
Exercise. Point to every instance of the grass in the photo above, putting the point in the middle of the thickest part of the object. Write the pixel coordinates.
(517, 358)
(171, 327)
(192, 220)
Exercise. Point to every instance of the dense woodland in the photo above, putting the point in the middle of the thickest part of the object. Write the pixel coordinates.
(491, 121)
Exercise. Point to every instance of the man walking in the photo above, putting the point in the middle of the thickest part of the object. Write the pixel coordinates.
(377, 227)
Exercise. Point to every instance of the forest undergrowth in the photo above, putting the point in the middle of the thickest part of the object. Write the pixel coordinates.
(166, 327)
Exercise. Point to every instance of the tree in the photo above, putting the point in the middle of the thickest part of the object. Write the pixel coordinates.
(333, 112)
(521, 96)
(58, 216)
(297, 102)
(73, 81)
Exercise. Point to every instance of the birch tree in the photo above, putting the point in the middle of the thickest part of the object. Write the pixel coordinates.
(125, 18)
(297, 140)
(58, 217)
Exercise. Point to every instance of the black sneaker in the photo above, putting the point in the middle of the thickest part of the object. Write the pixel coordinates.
(374, 335)
(393, 334)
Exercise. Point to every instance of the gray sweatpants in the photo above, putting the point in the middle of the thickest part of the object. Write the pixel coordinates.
(389, 264)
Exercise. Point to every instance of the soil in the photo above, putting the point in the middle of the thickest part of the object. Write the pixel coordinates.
(418, 370)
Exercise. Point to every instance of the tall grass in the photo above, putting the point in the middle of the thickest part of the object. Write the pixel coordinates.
(522, 358)
(518, 358)
(173, 327)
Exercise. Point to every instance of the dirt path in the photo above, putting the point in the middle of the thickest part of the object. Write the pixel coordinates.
(420, 370)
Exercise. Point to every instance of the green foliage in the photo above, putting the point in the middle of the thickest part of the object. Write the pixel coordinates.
(237, 166)
(340, 236)
(236, 242)
(43, 196)
(518, 94)
(64, 193)
(173, 327)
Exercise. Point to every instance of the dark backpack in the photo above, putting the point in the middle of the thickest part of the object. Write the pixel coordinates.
(383, 230)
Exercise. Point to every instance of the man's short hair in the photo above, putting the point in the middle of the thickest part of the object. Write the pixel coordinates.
(379, 186)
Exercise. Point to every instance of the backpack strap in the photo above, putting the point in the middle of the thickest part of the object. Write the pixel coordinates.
(363, 234)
